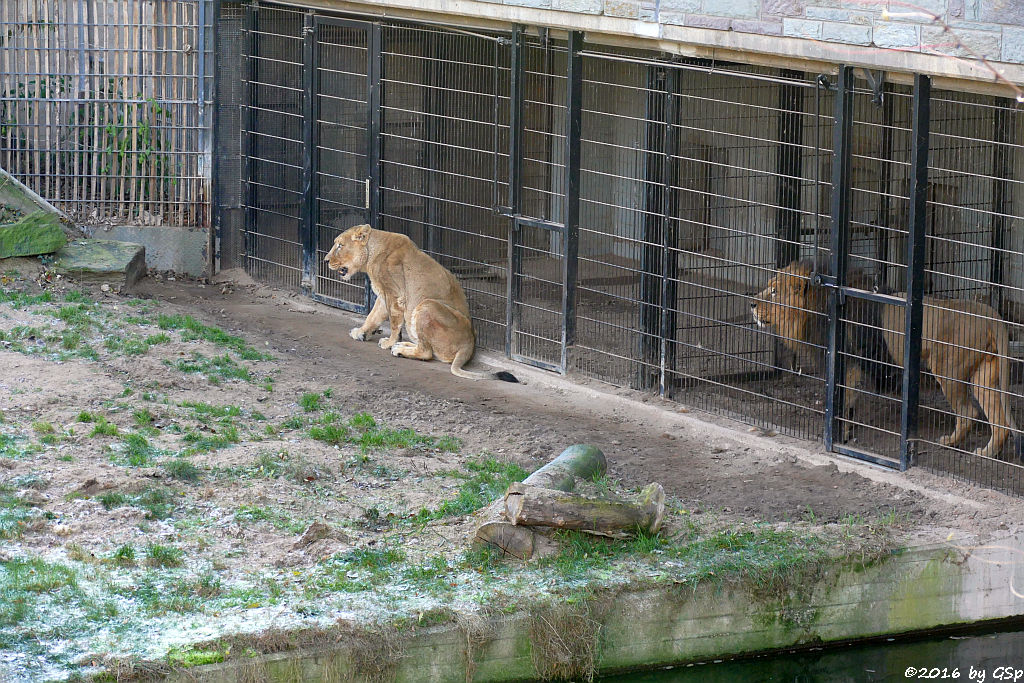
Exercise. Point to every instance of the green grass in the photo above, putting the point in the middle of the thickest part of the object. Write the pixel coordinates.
(311, 402)
(357, 570)
(215, 369)
(158, 503)
(182, 470)
(101, 426)
(124, 556)
(279, 519)
(205, 443)
(332, 434)
(206, 411)
(191, 329)
(164, 555)
(363, 431)
(23, 582)
(135, 451)
(485, 480)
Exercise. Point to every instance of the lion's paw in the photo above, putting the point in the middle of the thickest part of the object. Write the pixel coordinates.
(385, 343)
(945, 440)
(357, 334)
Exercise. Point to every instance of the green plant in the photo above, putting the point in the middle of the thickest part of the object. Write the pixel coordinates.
(164, 555)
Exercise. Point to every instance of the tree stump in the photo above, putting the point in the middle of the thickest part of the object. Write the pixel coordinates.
(527, 505)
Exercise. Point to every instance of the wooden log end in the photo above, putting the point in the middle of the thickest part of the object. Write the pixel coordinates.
(652, 499)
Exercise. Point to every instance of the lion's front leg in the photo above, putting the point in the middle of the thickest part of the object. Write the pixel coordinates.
(377, 315)
(396, 314)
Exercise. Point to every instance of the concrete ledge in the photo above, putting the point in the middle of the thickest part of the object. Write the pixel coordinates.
(168, 247)
(915, 590)
(120, 264)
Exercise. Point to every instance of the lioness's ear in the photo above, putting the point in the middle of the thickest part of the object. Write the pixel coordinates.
(361, 233)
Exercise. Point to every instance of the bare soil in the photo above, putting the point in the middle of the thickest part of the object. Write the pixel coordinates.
(268, 498)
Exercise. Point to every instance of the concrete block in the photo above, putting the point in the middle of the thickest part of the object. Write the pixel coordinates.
(36, 233)
(542, 4)
(801, 28)
(622, 8)
(578, 6)
(764, 28)
(704, 21)
(937, 41)
(735, 9)
(895, 35)
(1013, 45)
(183, 250)
(117, 263)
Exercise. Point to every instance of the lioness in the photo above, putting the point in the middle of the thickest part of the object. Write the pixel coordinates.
(412, 290)
(964, 345)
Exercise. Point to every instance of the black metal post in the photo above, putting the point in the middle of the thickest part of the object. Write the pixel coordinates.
(1002, 136)
(915, 267)
(885, 179)
(669, 234)
(248, 122)
(374, 73)
(789, 167)
(840, 210)
(653, 219)
(307, 221)
(515, 182)
(572, 196)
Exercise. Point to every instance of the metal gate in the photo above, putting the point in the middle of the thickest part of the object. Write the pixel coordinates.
(342, 86)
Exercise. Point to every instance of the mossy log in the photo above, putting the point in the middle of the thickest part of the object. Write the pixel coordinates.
(580, 460)
(527, 505)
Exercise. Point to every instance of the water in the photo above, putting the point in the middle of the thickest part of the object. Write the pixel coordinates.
(982, 657)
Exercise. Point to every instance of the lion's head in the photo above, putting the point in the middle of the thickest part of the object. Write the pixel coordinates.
(349, 253)
(789, 300)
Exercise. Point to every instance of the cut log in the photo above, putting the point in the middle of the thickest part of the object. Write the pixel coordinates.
(580, 460)
(527, 505)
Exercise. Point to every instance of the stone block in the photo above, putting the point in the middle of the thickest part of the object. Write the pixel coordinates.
(937, 41)
(1013, 45)
(578, 6)
(784, 8)
(542, 4)
(36, 233)
(801, 28)
(1006, 12)
(764, 28)
(119, 264)
(851, 34)
(735, 9)
(704, 21)
(676, 6)
(828, 13)
(896, 35)
(621, 8)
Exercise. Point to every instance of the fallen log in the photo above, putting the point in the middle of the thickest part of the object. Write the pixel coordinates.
(527, 505)
(579, 460)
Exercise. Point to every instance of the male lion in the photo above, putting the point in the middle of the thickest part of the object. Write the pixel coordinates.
(412, 290)
(964, 345)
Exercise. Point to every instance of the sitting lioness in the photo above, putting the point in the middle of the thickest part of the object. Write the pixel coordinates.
(965, 345)
(414, 291)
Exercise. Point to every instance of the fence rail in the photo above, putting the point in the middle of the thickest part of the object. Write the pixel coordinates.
(102, 106)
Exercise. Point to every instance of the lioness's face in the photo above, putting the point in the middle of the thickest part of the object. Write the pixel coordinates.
(348, 255)
(783, 293)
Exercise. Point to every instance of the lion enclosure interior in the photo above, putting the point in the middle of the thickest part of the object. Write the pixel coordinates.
(612, 213)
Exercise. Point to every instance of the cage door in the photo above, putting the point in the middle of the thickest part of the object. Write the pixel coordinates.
(343, 181)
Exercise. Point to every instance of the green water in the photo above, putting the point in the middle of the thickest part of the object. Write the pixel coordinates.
(988, 657)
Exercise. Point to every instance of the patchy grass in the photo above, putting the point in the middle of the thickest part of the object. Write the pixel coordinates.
(277, 518)
(485, 480)
(216, 369)
(158, 502)
(158, 555)
(191, 329)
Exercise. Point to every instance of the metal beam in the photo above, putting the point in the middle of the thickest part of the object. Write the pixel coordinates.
(572, 196)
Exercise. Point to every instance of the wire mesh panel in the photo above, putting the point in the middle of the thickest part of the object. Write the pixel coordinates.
(974, 286)
(274, 146)
(100, 107)
(868, 370)
(618, 332)
(747, 154)
(444, 159)
(538, 244)
(341, 135)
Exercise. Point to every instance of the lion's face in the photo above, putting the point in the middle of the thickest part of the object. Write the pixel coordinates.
(349, 254)
(783, 296)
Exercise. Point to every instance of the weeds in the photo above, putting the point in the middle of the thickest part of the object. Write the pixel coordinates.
(487, 480)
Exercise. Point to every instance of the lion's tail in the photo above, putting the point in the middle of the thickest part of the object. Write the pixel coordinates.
(463, 357)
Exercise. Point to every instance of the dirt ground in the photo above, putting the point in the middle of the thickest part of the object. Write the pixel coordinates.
(250, 493)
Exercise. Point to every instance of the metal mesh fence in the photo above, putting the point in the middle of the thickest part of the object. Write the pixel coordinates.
(102, 106)
(716, 260)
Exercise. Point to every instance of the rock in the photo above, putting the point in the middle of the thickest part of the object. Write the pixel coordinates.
(36, 233)
(120, 264)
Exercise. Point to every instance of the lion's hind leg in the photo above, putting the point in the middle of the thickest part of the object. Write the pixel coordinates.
(958, 396)
(986, 389)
